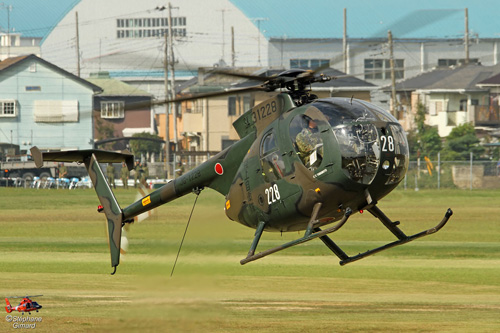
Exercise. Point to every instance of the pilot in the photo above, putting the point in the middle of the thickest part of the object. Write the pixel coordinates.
(308, 140)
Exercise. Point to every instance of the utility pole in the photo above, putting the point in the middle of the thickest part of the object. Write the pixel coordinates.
(258, 20)
(172, 74)
(393, 75)
(167, 116)
(466, 36)
(344, 41)
(167, 106)
(223, 32)
(233, 53)
(77, 47)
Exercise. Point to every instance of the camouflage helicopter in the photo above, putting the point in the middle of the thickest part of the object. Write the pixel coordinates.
(301, 163)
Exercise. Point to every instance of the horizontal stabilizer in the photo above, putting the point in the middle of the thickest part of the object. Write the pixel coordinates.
(102, 156)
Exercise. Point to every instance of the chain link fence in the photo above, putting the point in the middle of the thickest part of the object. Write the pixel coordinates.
(452, 174)
(422, 174)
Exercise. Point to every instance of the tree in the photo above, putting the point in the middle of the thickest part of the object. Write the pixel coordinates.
(145, 146)
(461, 142)
(104, 130)
(425, 139)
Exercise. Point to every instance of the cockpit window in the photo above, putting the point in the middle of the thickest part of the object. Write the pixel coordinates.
(344, 111)
(360, 151)
(268, 144)
(307, 140)
(272, 164)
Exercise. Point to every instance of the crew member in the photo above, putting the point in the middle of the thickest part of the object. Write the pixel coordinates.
(124, 175)
(144, 174)
(110, 171)
(137, 172)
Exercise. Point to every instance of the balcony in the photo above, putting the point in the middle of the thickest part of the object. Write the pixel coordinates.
(486, 115)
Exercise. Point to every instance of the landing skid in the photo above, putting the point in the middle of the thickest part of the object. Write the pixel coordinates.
(313, 232)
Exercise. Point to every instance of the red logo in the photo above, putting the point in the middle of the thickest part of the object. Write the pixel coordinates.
(218, 169)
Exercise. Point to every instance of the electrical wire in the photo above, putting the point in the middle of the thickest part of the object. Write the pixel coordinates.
(197, 192)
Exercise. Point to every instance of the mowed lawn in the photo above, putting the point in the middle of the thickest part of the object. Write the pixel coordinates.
(53, 242)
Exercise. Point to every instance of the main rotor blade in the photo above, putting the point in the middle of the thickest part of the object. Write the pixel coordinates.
(23, 296)
(225, 92)
(243, 75)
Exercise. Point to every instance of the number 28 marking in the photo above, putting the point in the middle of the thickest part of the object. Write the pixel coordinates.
(387, 143)
(273, 194)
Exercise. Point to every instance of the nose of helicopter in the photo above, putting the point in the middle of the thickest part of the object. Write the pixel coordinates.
(371, 141)
(369, 150)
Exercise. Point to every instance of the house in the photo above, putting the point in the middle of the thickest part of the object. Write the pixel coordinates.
(451, 95)
(43, 105)
(15, 44)
(121, 110)
(489, 114)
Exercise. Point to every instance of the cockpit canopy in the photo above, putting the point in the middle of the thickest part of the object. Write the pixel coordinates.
(368, 137)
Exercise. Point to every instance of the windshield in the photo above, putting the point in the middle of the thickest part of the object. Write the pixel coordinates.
(360, 151)
(340, 111)
(368, 137)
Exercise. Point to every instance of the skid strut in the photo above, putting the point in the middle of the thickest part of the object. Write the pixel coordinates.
(309, 235)
(313, 232)
(402, 238)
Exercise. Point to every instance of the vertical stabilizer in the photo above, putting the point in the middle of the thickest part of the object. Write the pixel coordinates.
(8, 308)
(110, 206)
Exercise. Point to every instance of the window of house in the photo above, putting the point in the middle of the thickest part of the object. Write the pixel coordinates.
(247, 103)
(33, 88)
(148, 27)
(112, 110)
(380, 69)
(197, 106)
(8, 108)
(435, 107)
(454, 62)
(227, 143)
(56, 111)
(308, 63)
(231, 106)
(463, 105)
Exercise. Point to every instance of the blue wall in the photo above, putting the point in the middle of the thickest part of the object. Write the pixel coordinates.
(54, 85)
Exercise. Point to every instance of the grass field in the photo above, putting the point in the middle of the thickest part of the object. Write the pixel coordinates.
(53, 242)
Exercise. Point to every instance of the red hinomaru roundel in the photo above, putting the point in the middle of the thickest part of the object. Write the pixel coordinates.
(218, 169)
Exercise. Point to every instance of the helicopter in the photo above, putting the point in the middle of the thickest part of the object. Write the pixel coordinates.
(301, 163)
(26, 304)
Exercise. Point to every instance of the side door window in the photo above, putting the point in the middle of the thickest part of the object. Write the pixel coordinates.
(272, 164)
